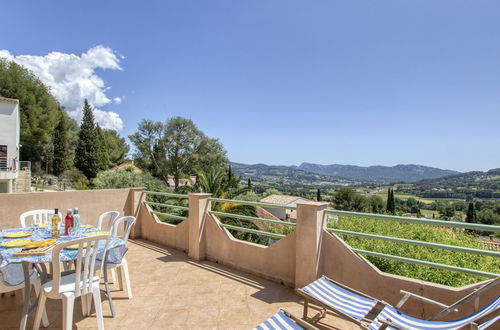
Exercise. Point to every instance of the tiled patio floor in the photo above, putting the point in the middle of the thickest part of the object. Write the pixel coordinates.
(172, 292)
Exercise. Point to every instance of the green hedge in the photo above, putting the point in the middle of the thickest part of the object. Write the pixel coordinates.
(457, 237)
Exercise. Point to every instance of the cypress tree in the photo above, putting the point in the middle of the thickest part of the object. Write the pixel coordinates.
(393, 204)
(61, 149)
(390, 207)
(471, 213)
(86, 154)
(318, 195)
(249, 183)
(102, 149)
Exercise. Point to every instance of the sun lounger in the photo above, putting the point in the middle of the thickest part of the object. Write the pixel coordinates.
(356, 306)
(284, 320)
(393, 318)
(350, 303)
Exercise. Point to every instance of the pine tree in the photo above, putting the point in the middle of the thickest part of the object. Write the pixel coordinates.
(86, 154)
(318, 195)
(471, 213)
(102, 149)
(61, 148)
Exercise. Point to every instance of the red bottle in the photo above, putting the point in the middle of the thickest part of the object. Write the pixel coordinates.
(68, 222)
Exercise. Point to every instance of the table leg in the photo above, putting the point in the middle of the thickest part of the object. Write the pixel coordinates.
(27, 293)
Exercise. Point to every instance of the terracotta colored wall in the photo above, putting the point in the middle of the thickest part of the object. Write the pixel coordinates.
(91, 204)
(275, 262)
(341, 264)
(156, 231)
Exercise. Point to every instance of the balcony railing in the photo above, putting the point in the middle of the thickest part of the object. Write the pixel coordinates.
(162, 203)
(329, 212)
(8, 164)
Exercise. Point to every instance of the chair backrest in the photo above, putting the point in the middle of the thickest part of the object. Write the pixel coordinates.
(391, 316)
(474, 295)
(88, 249)
(38, 217)
(107, 217)
(128, 221)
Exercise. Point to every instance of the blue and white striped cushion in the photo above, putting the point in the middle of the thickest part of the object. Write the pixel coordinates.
(407, 322)
(339, 298)
(278, 321)
(489, 323)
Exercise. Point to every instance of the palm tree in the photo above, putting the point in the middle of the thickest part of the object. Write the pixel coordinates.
(222, 183)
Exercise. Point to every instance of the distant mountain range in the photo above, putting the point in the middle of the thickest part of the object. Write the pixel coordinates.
(377, 173)
(285, 176)
(338, 174)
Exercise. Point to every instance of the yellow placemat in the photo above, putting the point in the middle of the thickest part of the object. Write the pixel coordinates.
(75, 246)
(86, 226)
(18, 234)
(40, 244)
(16, 243)
(97, 233)
(42, 225)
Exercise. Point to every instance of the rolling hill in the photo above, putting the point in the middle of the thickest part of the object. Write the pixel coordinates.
(382, 174)
(467, 185)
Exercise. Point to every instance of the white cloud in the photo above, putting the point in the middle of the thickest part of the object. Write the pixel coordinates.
(73, 78)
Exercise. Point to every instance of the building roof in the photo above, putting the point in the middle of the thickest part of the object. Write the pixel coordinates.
(281, 199)
(8, 100)
(135, 169)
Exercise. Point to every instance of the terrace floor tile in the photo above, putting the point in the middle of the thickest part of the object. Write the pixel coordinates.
(171, 291)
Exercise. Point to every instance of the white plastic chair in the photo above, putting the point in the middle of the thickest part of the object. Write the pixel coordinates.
(82, 283)
(38, 217)
(111, 215)
(122, 267)
(107, 219)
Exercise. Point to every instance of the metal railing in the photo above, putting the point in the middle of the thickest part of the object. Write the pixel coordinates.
(166, 215)
(8, 164)
(251, 218)
(440, 223)
(274, 235)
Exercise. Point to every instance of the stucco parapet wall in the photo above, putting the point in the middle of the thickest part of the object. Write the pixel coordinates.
(201, 195)
(315, 204)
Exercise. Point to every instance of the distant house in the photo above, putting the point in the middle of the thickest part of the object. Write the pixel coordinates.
(182, 182)
(15, 176)
(283, 214)
(129, 165)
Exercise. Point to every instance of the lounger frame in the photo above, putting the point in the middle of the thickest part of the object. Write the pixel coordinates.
(322, 313)
(299, 321)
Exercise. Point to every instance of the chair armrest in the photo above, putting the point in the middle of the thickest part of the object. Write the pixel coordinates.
(300, 322)
(387, 323)
(407, 295)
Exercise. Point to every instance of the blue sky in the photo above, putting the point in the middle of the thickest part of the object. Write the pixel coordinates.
(282, 82)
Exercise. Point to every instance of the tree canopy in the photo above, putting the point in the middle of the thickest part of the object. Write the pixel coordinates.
(39, 112)
(177, 148)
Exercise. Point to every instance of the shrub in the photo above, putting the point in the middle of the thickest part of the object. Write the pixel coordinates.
(449, 236)
(123, 178)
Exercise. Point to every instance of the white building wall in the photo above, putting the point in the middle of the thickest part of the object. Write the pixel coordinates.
(10, 128)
